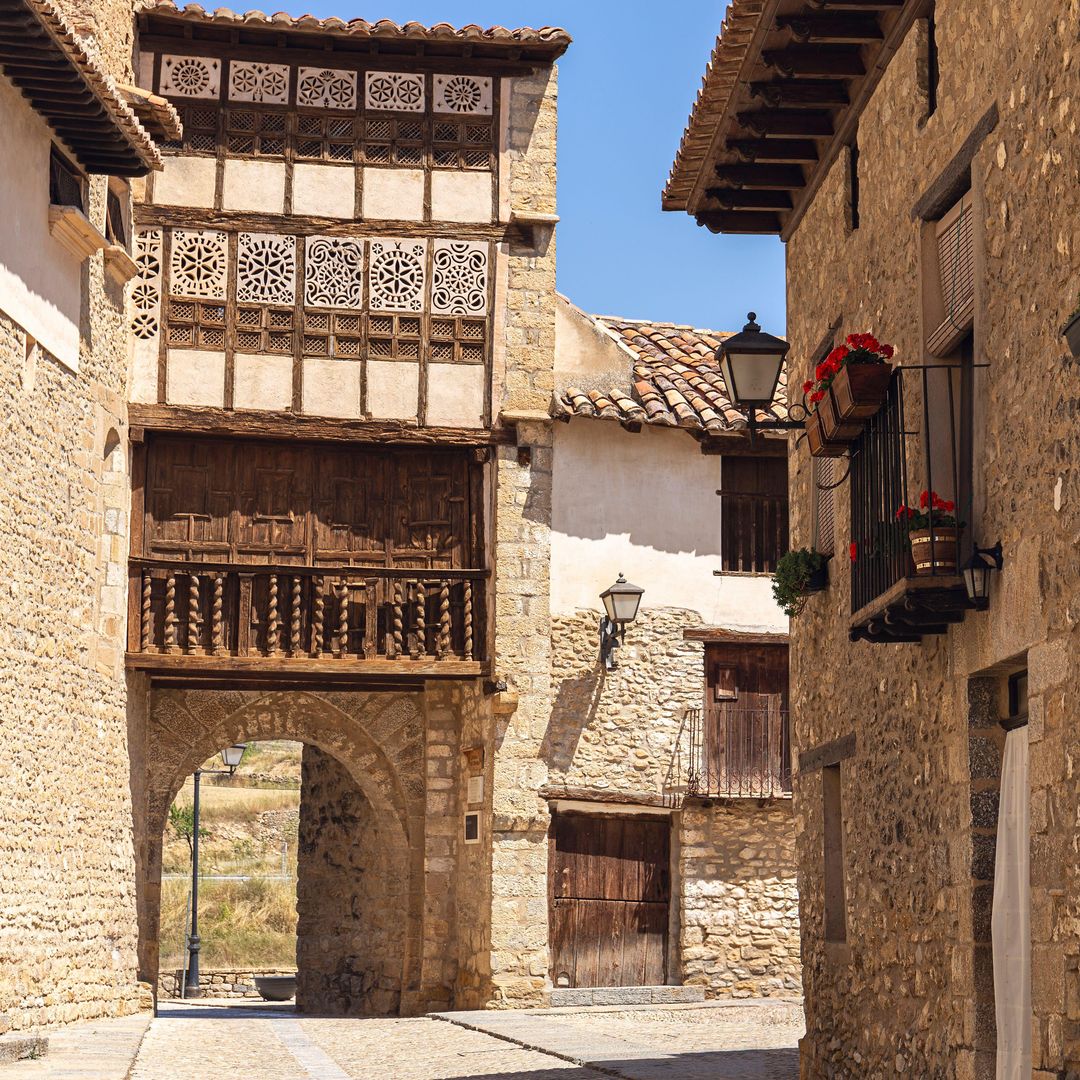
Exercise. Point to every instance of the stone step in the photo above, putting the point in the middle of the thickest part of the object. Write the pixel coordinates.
(627, 995)
(22, 1048)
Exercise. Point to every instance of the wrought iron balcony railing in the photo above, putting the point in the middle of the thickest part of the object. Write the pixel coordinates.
(346, 615)
(735, 754)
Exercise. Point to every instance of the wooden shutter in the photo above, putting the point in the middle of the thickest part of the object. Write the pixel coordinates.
(956, 277)
(753, 513)
(824, 503)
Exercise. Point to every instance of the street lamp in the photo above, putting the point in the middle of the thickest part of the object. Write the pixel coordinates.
(231, 756)
(977, 571)
(751, 362)
(621, 602)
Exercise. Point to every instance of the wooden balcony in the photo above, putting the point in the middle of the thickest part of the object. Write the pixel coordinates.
(199, 620)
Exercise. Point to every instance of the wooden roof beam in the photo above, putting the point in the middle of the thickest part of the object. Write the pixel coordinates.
(761, 177)
(856, 5)
(831, 27)
(739, 221)
(810, 62)
(802, 93)
(754, 199)
(766, 123)
(775, 151)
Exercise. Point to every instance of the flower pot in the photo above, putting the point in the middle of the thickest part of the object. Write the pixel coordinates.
(276, 987)
(1071, 333)
(937, 557)
(835, 427)
(859, 390)
(820, 446)
(819, 580)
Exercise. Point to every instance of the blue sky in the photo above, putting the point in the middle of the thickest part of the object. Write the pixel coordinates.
(625, 90)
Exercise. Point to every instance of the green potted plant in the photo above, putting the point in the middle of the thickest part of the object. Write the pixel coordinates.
(933, 532)
(1071, 331)
(798, 574)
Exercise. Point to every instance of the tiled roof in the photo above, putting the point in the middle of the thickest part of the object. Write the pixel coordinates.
(157, 114)
(673, 381)
(736, 31)
(553, 37)
(62, 78)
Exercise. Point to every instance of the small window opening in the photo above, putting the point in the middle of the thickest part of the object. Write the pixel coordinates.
(932, 73)
(1018, 698)
(853, 181)
(66, 185)
(835, 895)
(116, 231)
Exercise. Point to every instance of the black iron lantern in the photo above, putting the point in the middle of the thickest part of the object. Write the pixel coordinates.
(233, 755)
(621, 602)
(751, 362)
(977, 571)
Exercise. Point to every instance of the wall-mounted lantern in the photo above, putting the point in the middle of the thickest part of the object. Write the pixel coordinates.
(977, 571)
(233, 755)
(621, 602)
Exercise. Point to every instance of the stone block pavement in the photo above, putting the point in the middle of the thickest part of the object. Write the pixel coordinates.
(230, 1040)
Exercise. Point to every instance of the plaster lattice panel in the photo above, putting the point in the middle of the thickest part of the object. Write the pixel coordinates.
(266, 269)
(326, 88)
(146, 291)
(198, 264)
(396, 275)
(394, 91)
(334, 272)
(190, 76)
(459, 278)
(252, 81)
(463, 95)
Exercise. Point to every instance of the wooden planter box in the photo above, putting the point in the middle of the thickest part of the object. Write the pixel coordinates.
(940, 557)
(820, 444)
(1071, 333)
(859, 390)
(836, 428)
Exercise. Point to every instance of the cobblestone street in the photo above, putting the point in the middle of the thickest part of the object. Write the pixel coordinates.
(752, 1042)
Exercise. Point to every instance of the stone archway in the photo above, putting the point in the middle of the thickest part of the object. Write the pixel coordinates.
(364, 764)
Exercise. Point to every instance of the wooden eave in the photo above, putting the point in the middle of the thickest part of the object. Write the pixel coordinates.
(300, 41)
(782, 97)
(41, 55)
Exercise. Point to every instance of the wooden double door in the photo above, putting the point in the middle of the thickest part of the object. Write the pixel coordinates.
(609, 898)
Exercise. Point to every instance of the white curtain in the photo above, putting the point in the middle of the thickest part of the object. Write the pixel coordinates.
(1011, 921)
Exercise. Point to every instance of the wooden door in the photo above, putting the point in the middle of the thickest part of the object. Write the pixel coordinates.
(610, 893)
(746, 719)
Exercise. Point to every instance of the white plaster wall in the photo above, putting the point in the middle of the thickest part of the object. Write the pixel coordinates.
(645, 504)
(254, 185)
(393, 389)
(461, 196)
(455, 395)
(262, 382)
(40, 281)
(584, 352)
(324, 190)
(332, 388)
(394, 194)
(195, 377)
(186, 181)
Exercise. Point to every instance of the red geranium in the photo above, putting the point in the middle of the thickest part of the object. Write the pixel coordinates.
(857, 349)
(933, 512)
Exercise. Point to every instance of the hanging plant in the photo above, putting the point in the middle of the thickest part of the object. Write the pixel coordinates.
(799, 574)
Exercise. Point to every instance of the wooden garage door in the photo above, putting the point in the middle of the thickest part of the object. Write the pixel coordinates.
(610, 891)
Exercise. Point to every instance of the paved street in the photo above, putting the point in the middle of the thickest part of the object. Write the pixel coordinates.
(743, 1042)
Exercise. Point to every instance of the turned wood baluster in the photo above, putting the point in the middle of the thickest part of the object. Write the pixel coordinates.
(294, 616)
(317, 617)
(272, 635)
(194, 626)
(343, 620)
(170, 614)
(145, 628)
(399, 621)
(468, 621)
(443, 646)
(421, 617)
(217, 642)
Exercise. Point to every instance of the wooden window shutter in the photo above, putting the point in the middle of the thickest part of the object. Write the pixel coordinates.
(956, 277)
(824, 503)
(723, 683)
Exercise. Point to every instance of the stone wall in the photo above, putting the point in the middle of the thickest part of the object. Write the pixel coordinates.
(901, 994)
(218, 983)
(68, 930)
(739, 899)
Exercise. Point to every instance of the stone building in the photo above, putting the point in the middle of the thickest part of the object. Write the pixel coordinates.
(320, 428)
(920, 161)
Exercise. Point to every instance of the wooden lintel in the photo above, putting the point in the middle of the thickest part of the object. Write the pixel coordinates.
(196, 420)
(816, 61)
(759, 176)
(743, 199)
(739, 221)
(802, 93)
(775, 151)
(805, 122)
(856, 5)
(577, 793)
(283, 667)
(718, 634)
(830, 753)
(832, 27)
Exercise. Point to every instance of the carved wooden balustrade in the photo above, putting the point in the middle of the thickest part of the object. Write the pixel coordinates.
(237, 614)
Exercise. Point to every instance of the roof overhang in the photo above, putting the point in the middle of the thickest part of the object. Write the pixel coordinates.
(781, 97)
(164, 24)
(156, 114)
(44, 57)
